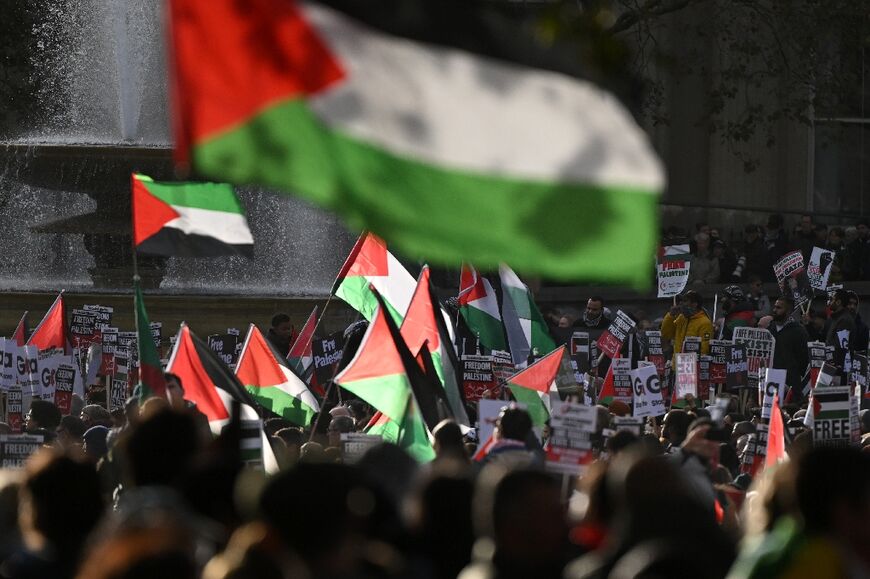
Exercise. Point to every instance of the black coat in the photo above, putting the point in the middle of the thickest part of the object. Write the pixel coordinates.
(790, 352)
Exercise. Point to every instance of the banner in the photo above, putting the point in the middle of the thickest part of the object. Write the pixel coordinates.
(478, 379)
(647, 390)
(15, 449)
(792, 278)
(687, 375)
(569, 448)
(8, 355)
(773, 383)
(672, 270)
(819, 268)
(224, 346)
(612, 338)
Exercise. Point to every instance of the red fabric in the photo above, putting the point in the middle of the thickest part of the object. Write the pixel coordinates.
(51, 331)
(150, 214)
(775, 435)
(368, 258)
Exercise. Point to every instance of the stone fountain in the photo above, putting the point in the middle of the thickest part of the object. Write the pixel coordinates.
(90, 81)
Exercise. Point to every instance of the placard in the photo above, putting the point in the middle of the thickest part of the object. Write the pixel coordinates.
(502, 366)
(819, 267)
(654, 351)
(622, 382)
(355, 444)
(736, 368)
(64, 384)
(632, 424)
(8, 355)
(581, 351)
(792, 278)
(672, 270)
(15, 449)
(647, 389)
(719, 353)
(326, 354)
(103, 315)
(224, 347)
(611, 340)
(704, 363)
(569, 448)
(15, 409)
(759, 344)
(687, 375)
(478, 379)
(773, 383)
(832, 409)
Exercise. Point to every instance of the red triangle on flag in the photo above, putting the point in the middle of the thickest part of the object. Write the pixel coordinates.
(540, 375)
(419, 325)
(302, 345)
(607, 388)
(150, 214)
(377, 355)
(257, 365)
(20, 333)
(775, 435)
(198, 385)
(471, 286)
(367, 258)
(51, 331)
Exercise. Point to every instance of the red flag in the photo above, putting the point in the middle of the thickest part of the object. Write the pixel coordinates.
(51, 331)
(775, 435)
(608, 392)
(20, 333)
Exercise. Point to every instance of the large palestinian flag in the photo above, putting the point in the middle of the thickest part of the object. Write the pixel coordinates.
(533, 385)
(478, 305)
(271, 383)
(446, 127)
(371, 265)
(379, 375)
(188, 219)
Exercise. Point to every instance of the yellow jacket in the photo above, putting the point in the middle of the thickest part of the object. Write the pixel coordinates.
(699, 325)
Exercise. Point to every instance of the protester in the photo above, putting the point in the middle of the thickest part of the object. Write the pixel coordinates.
(513, 445)
(94, 415)
(705, 267)
(738, 312)
(687, 319)
(790, 351)
(280, 332)
(42, 418)
(861, 340)
(70, 432)
(840, 329)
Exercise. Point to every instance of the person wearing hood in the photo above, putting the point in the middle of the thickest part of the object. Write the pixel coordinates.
(738, 311)
(790, 351)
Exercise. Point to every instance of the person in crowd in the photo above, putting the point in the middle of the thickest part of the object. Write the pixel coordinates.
(293, 439)
(687, 319)
(790, 350)
(512, 446)
(753, 257)
(737, 310)
(449, 442)
(594, 321)
(835, 243)
(70, 432)
(758, 298)
(280, 332)
(840, 329)
(862, 332)
(815, 323)
(93, 415)
(42, 418)
(805, 237)
(177, 401)
(705, 267)
(726, 259)
(338, 425)
(775, 238)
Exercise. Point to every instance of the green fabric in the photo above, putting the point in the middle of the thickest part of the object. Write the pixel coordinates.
(151, 382)
(488, 329)
(356, 293)
(212, 196)
(534, 405)
(283, 404)
(389, 394)
(438, 213)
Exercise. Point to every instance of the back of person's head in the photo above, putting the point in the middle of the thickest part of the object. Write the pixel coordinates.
(676, 426)
(95, 442)
(160, 449)
(693, 297)
(142, 552)
(291, 436)
(831, 484)
(61, 500)
(448, 439)
(273, 425)
(279, 319)
(45, 414)
(619, 441)
(341, 424)
(514, 423)
(95, 415)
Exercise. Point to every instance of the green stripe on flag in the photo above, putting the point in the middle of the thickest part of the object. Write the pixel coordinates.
(212, 196)
(355, 291)
(525, 219)
(284, 405)
(534, 405)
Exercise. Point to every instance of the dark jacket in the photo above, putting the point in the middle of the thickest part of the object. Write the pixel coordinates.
(790, 352)
(839, 322)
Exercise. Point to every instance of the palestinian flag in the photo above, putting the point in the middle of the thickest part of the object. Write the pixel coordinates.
(151, 381)
(51, 333)
(533, 385)
(527, 332)
(379, 375)
(424, 326)
(478, 305)
(210, 385)
(371, 265)
(416, 121)
(300, 355)
(20, 333)
(188, 219)
(775, 436)
(608, 390)
(271, 383)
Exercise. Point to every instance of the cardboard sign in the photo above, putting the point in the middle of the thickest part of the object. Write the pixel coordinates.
(109, 344)
(718, 359)
(48, 363)
(15, 449)
(478, 379)
(326, 354)
(630, 424)
(819, 353)
(566, 382)
(8, 355)
(819, 268)
(83, 329)
(64, 385)
(355, 444)
(832, 411)
(117, 397)
(792, 278)
(502, 366)
(27, 375)
(736, 367)
(773, 383)
(103, 315)
(687, 375)
(759, 344)
(858, 375)
(157, 335)
(704, 363)
(224, 346)
(15, 409)
(569, 448)
(611, 340)
(129, 341)
(622, 381)
(692, 345)
(672, 270)
(654, 351)
(647, 390)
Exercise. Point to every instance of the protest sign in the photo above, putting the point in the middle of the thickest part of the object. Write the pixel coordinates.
(15, 449)
(832, 408)
(48, 363)
(687, 375)
(773, 383)
(569, 448)
(759, 344)
(792, 278)
(819, 267)
(828, 376)
(819, 353)
(581, 351)
(326, 353)
(718, 358)
(130, 341)
(117, 396)
(83, 329)
(355, 444)
(567, 383)
(157, 335)
(27, 375)
(692, 345)
(647, 389)
(654, 351)
(632, 424)
(64, 385)
(478, 379)
(102, 315)
(858, 375)
(109, 344)
(8, 355)
(672, 270)
(613, 337)
(736, 367)
(502, 366)
(622, 382)
(224, 346)
(14, 409)
(704, 363)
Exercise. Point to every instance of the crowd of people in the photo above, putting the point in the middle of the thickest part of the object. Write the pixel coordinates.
(750, 256)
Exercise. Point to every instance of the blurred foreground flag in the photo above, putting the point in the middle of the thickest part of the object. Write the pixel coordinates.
(188, 219)
(440, 126)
